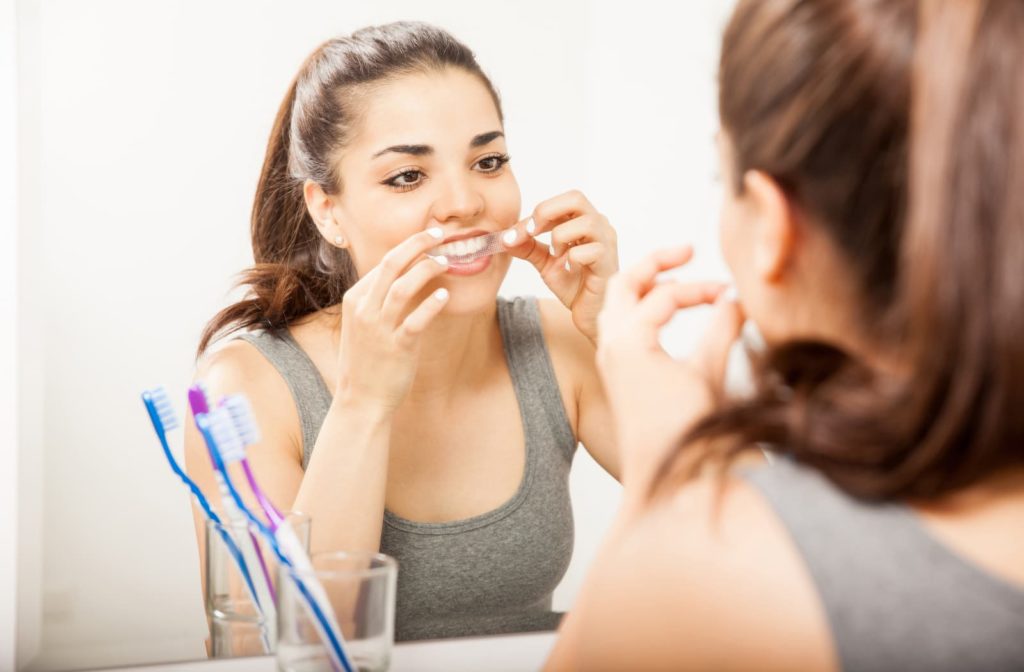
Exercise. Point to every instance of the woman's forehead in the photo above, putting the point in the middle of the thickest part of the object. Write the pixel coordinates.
(443, 109)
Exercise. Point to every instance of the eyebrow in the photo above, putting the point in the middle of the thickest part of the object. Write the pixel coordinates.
(425, 150)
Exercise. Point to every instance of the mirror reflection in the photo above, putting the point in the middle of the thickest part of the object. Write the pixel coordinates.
(386, 233)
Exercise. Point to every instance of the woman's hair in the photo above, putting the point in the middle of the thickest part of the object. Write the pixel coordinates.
(897, 128)
(296, 271)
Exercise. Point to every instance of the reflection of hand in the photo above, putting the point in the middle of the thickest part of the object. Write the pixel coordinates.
(582, 256)
(655, 398)
(381, 324)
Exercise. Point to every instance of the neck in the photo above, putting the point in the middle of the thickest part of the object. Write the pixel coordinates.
(455, 350)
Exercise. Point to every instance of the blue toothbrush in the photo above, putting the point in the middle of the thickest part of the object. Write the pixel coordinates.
(164, 419)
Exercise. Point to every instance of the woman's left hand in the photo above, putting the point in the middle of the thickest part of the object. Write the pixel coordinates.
(582, 256)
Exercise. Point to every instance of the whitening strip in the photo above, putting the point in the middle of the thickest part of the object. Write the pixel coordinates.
(470, 249)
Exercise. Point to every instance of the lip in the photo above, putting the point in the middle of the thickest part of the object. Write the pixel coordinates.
(463, 236)
(472, 268)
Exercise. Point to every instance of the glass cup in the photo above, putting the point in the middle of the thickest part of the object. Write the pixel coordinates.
(361, 589)
(237, 626)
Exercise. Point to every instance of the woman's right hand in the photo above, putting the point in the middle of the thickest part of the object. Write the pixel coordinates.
(655, 397)
(381, 324)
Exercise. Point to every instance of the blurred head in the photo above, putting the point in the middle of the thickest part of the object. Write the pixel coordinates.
(815, 106)
(383, 133)
(874, 151)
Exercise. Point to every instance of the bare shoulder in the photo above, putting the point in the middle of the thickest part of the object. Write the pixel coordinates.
(709, 579)
(237, 367)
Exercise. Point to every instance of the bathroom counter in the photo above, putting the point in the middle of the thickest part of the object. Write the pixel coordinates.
(511, 653)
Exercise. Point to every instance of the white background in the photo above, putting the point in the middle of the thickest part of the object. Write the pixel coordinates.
(140, 131)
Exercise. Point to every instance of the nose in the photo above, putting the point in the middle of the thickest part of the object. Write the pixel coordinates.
(458, 200)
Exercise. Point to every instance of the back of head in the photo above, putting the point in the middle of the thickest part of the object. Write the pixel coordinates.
(897, 126)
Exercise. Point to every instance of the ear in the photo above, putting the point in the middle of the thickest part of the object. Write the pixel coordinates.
(322, 208)
(776, 225)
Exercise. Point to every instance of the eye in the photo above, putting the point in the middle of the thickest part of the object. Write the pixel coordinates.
(492, 164)
(405, 180)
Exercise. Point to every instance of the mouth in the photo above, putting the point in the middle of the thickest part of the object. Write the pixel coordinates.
(474, 266)
(463, 247)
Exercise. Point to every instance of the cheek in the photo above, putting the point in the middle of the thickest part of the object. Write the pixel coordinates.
(504, 200)
(379, 225)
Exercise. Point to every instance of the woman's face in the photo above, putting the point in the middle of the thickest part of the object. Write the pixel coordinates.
(429, 151)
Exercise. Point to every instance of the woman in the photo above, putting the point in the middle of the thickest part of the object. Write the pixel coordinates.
(874, 224)
(402, 405)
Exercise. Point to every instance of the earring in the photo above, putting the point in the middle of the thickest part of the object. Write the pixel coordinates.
(339, 241)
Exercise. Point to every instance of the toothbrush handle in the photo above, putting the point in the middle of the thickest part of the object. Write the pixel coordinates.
(263, 566)
(268, 507)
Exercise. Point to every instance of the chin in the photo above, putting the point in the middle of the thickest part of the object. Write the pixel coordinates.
(475, 292)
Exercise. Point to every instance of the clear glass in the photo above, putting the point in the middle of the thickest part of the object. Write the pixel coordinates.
(237, 627)
(361, 589)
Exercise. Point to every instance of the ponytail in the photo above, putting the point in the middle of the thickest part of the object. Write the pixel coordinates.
(286, 282)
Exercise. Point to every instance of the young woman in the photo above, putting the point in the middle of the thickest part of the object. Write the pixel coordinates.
(874, 223)
(403, 406)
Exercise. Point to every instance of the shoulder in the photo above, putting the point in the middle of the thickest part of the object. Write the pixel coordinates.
(711, 580)
(238, 367)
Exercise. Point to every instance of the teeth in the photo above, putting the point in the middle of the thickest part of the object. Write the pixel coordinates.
(462, 248)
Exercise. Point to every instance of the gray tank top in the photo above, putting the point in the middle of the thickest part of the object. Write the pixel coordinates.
(495, 572)
(896, 598)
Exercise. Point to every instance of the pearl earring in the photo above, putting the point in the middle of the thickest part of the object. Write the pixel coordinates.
(339, 241)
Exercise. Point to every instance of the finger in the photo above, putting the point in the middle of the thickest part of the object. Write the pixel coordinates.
(518, 235)
(639, 278)
(533, 251)
(397, 260)
(587, 254)
(712, 353)
(578, 230)
(419, 319)
(408, 286)
(601, 261)
(559, 209)
(666, 299)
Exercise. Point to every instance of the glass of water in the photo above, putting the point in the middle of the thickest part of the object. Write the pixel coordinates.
(237, 626)
(361, 589)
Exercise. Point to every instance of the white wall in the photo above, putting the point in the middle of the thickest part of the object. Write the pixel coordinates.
(142, 141)
(8, 333)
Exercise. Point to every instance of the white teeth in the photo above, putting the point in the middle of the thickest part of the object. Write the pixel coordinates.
(461, 248)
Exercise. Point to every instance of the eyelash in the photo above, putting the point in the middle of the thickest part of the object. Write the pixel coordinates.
(393, 183)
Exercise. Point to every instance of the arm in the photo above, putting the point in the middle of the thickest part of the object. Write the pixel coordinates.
(573, 355)
(342, 488)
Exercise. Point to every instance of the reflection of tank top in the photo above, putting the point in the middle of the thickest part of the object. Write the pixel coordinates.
(895, 596)
(495, 572)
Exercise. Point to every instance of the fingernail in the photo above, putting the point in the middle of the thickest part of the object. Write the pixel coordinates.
(729, 294)
(441, 259)
(531, 226)
(567, 266)
(551, 250)
(441, 294)
(436, 232)
(510, 237)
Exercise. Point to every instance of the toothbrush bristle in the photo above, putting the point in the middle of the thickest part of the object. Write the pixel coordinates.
(197, 398)
(241, 414)
(229, 443)
(164, 409)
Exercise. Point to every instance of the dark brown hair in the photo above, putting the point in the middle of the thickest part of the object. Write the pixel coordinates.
(296, 271)
(897, 127)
